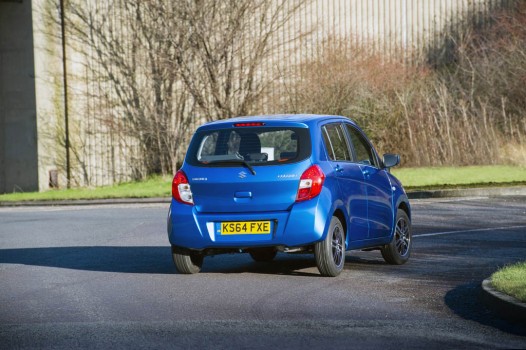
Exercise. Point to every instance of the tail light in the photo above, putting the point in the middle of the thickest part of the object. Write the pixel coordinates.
(181, 191)
(311, 182)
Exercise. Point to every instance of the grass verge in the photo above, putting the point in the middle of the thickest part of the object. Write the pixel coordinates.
(156, 186)
(460, 177)
(412, 178)
(511, 280)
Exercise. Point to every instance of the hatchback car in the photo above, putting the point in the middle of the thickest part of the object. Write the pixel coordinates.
(286, 183)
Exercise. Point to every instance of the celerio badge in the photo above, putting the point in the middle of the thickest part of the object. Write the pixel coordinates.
(286, 176)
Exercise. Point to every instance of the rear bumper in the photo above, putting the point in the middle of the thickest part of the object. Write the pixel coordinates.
(304, 224)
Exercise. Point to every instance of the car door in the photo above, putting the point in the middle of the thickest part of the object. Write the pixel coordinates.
(353, 190)
(379, 192)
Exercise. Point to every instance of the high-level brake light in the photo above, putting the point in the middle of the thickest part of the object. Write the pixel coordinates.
(237, 125)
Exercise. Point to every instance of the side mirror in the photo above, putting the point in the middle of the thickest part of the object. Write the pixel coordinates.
(391, 160)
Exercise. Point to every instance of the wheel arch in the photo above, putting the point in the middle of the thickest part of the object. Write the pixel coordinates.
(403, 204)
(405, 207)
(343, 220)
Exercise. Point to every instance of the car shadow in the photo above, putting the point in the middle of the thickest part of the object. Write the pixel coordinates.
(157, 260)
(298, 264)
(283, 264)
(140, 259)
(147, 260)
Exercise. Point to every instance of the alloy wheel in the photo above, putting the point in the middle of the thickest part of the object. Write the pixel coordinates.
(402, 236)
(337, 246)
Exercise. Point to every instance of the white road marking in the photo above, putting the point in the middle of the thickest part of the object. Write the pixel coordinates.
(468, 231)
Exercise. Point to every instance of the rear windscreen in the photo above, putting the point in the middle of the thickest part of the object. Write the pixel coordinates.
(254, 145)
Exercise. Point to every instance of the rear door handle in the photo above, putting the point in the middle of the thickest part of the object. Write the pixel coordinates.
(338, 168)
(366, 173)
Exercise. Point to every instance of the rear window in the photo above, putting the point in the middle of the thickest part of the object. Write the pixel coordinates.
(254, 145)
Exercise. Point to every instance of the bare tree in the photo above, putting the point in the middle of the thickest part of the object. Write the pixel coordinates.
(156, 68)
(133, 63)
(221, 46)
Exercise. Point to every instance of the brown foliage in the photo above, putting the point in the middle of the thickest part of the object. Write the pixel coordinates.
(469, 111)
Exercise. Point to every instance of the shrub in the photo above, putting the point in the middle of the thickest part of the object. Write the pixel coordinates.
(466, 111)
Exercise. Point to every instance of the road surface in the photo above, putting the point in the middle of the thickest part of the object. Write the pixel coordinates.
(102, 276)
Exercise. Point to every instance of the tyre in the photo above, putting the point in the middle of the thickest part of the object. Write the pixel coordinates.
(330, 253)
(263, 254)
(187, 262)
(398, 251)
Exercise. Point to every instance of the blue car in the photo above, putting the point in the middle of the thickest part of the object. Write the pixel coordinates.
(286, 183)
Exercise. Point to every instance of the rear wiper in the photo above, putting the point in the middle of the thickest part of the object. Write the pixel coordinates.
(235, 161)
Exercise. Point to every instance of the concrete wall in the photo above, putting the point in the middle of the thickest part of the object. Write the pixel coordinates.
(31, 85)
(49, 90)
(18, 126)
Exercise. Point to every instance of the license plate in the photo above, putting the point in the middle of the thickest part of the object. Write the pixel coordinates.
(245, 228)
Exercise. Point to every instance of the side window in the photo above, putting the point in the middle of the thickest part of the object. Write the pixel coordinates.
(364, 153)
(335, 142)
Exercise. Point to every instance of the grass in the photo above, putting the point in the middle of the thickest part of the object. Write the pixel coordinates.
(156, 186)
(412, 178)
(461, 177)
(511, 280)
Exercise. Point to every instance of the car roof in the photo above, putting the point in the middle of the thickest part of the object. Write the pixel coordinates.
(298, 120)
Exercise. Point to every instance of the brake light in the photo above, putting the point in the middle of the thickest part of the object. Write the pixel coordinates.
(181, 191)
(237, 125)
(311, 182)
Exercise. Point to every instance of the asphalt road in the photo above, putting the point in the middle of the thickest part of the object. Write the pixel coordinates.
(102, 276)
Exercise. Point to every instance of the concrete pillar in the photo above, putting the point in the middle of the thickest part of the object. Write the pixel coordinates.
(18, 123)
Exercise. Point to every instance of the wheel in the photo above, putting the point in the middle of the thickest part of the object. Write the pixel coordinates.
(187, 262)
(398, 251)
(263, 254)
(330, 253)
